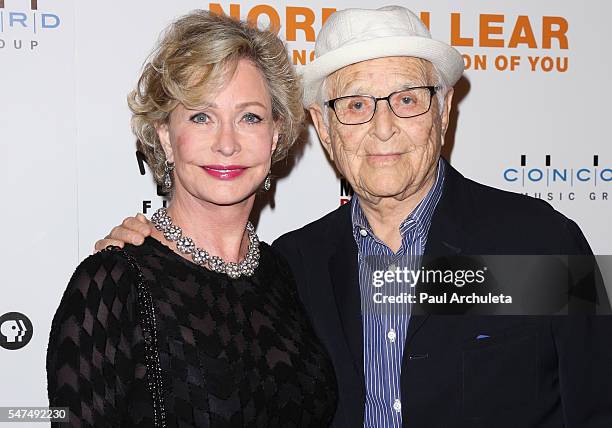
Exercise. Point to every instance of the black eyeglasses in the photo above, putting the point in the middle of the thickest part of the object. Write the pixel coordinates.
(359, 109)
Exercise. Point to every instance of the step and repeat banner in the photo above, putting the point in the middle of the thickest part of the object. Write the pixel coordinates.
(531, 115)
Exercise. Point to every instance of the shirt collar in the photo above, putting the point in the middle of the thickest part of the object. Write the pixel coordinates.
(420, 217)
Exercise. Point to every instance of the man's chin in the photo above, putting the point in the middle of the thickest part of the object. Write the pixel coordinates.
(376, 193)
(387, 185)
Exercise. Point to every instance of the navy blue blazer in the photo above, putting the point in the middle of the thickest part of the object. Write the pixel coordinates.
(531, 371)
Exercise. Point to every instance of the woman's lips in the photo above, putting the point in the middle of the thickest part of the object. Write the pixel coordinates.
(224, 172)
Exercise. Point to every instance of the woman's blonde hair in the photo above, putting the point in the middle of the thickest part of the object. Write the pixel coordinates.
(193, 57)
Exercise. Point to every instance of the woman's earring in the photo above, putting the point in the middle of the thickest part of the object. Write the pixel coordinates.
(268, 182)
(168, 168)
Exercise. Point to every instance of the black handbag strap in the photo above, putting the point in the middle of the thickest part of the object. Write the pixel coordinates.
(146, 312)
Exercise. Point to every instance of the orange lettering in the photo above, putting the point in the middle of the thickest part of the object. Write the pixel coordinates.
(299, 57)
(562, 68)
(216, 8)
(522, 26)
(425, 18)
(325, 13)
(549, 33)
(306, 25)
(478, 62)
(264, 9)
(547, 64)
(456, 39)
(501, 62)
(486, 30)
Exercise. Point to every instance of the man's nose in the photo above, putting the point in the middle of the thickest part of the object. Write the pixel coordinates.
(384, 126)
(226, 140)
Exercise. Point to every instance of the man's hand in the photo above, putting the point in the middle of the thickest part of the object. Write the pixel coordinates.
(133, 230)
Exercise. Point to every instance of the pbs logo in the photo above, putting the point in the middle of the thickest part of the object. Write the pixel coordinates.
(15, 330)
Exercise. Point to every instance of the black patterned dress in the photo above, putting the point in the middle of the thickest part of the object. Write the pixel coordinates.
(143, 337)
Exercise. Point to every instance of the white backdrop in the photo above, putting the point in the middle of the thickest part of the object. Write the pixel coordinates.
(71, 173)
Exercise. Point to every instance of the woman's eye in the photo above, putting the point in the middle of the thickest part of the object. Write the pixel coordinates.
(199, 118)
(251, 118)
(407, 100)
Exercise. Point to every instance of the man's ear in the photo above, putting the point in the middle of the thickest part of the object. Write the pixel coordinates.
(319, 123)
(448, 102)
(163, 133)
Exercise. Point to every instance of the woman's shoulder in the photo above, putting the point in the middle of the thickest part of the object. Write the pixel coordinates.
(119, 261)
(100, 299)
(101, 278)
(113, 262)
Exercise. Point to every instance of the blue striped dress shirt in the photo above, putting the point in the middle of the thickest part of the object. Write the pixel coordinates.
(385, 324)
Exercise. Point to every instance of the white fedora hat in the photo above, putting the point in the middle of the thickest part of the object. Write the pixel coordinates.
(354, 35)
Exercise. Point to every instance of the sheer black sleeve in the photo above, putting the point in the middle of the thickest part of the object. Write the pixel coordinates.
(95, 359)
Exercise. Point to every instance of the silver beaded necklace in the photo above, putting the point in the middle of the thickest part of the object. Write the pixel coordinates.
(185, 245)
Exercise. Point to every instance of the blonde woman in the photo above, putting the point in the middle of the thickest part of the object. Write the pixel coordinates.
(201, 325)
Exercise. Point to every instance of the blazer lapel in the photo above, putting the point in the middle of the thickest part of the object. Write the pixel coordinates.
(344, 274)
(445, 237)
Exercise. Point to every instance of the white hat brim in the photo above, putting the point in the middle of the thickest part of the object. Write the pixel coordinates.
(447, 59)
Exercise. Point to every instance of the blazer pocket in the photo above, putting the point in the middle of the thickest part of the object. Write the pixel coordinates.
(500, 372)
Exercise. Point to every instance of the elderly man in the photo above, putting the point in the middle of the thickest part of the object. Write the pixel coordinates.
(379, 93)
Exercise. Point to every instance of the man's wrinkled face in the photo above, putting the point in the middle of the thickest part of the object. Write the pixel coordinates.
(388, 157)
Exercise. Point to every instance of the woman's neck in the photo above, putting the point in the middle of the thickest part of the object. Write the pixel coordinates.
(218, 229)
